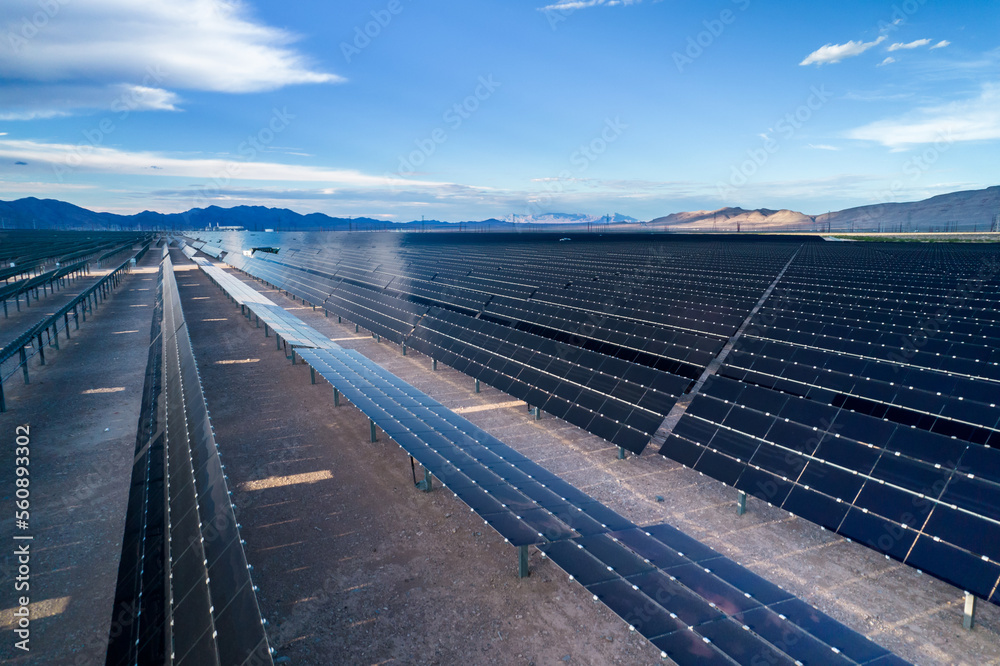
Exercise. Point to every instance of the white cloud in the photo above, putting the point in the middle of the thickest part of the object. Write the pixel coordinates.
(30, 102)
(823, 146)
(34, 188)
(888, 61)
(97, 49)
(917, 43)
(975, 119)
(571, 5)
(107, 160)
(832, 53)
(940, 45)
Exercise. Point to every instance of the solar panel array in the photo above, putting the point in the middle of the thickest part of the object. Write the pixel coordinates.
(691, 602)
(606, 336)
(28, 252)
(864, 398)
(183, 569)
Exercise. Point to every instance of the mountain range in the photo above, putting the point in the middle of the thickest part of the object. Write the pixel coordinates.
(971, 210)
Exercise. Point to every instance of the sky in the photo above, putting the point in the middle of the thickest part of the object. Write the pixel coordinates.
(398, 109)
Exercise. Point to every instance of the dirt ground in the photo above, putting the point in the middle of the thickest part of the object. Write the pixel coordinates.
(355, 566)
(83, 408)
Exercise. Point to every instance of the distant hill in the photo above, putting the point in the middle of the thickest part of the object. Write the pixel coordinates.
(51, 214)
(971, 210)
(734, 219)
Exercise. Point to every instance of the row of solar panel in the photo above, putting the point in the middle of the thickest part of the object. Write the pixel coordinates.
(908, 493)
(211, 613)
(698, 607)
(874, 343)
(628, 418)
(952, 415)
(938, 325)
(456, 294)
(663, 583)
(622, 411)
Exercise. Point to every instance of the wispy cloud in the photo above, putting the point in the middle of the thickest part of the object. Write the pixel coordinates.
(23, 187)
(915, 44)
(888, 61)
(975, 119)
(940, 45)
(105, 160)
(570, 5)
(35, 101)
(822, 146)
(832, 53)
(87, 53)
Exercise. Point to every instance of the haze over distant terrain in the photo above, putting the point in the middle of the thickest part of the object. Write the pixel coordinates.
(959, 211)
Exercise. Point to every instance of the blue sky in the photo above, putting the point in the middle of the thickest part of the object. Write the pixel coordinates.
(456, 111)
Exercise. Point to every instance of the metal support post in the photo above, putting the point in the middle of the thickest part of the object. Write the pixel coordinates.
(355, 328)
(404, 348)
(66, 323)
(54, 338)
(477, 386)
(41, 349)
(538, 413)
(969, 618)
(427, 483)
(621, 453)
(277, 341)
(741, 502)
(371, 425)
(336, 397)
(312, 374)
(434, 364)
(24, 365)
(266, 330)
(522, 562)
